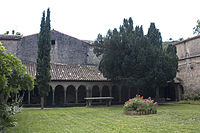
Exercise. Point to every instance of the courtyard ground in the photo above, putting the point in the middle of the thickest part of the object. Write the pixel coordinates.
(100, 119)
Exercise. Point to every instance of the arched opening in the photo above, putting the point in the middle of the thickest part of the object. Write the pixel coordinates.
(35, 98)
(115, 94)
(168, 93)
(95, 92)
(48, 99)
(81, 94)
(71, 94)
(124, 94)
(105, 91)
(59, 95)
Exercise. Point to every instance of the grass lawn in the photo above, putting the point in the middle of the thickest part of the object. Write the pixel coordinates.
(170, 118)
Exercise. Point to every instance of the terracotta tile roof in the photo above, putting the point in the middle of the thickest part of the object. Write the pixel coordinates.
(10, 37)
(69, 73)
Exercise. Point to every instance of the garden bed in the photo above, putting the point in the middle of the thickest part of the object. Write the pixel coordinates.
(140, 106)
(140, 112)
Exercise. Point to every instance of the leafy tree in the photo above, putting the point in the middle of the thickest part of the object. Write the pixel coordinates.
(13, 32)
(163, 63)
(13, 75)
(98, 45)
(196, 29)
(43, 61)
(13, 78)
(6, 33)
(134, 59)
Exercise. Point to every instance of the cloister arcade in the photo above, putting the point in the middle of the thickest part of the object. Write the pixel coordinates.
(72, 93)
(64, 93)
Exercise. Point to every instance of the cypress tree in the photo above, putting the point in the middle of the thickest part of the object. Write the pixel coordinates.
(43, 61)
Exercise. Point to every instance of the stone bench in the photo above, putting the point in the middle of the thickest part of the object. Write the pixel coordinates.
(89, 100)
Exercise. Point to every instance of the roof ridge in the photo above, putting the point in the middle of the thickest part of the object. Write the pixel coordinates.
(186, 40)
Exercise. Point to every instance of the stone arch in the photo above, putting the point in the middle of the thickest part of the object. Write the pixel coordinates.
(95, 92)
(105, 91)
(59, 95)
(124, 93)
(115, 94)
(71, 94)
(168, 92)
(49, 98)
(81, 94)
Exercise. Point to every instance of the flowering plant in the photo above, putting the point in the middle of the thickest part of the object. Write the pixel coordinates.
(139, 104)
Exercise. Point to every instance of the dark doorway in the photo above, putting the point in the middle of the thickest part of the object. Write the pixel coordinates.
(35, 98)
(115, 94)
(48, 99)
(71, 94)
(81, 94)
(59, 95)
(95, 92)
(105, 91)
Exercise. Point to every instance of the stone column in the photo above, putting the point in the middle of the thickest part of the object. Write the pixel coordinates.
(100, 90)
(76, 91)
(177, 93)
(53, 97)
(65, 98)
(29, 97)
(110, 91)
(88, 93)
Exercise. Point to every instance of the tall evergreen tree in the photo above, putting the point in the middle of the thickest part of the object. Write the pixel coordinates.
(43, 61)
(136, 60)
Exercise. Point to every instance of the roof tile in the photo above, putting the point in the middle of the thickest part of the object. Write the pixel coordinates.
(70, 73)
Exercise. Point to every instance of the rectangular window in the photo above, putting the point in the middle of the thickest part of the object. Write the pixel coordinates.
(53, 42)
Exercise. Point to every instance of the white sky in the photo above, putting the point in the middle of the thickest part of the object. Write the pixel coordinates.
(84, 19)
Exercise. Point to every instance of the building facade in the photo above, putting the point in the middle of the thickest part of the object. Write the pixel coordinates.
(188, 52)
(74, 72)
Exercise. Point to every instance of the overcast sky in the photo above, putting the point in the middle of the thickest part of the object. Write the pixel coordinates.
(84, 19)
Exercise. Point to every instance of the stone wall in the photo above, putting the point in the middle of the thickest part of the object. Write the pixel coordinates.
(10, 45)
(92, 58)
(188, 52)
(27, 48)
(66, 50)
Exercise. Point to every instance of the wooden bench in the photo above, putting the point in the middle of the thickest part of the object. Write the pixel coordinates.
(89, 100)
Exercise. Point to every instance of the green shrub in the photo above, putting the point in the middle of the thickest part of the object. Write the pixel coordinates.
(7, 111)
(192, 94)
(139, 104)
(195, 102)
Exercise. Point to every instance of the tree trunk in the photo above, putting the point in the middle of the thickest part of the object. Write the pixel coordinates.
(42, 102)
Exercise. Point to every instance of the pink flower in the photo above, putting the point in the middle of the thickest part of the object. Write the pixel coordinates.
(156, 103)
(149, 97)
